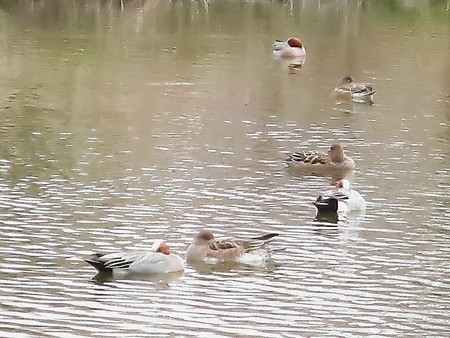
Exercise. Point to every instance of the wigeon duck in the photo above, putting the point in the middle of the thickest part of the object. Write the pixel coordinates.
(357, 92)
(313, 160)
(205, 246)
(158, 260)
(290, 49)
(340, 199)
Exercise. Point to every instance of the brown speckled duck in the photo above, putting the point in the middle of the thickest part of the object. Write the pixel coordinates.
(348, 89)
(310, 160)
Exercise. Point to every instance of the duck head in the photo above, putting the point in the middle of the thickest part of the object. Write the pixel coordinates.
(336, 153)
(204, 237)
(346, 79)
(295, 43)
(161, 247)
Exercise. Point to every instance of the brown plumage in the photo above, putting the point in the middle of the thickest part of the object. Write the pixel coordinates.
(334, 159)
(359, 92)
(205, 245)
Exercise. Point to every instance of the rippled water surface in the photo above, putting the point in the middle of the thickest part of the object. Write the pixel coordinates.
(155, 120)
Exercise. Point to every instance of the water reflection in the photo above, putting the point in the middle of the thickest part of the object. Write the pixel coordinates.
(156, 119)
(159, 281)
(334, 174)
(327, 218)
(352, 218)
(266, 264)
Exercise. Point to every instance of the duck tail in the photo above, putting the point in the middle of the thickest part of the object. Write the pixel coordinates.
(96, 262)
(259, 242)
(327, 204)
(370, 91)
(265, 237)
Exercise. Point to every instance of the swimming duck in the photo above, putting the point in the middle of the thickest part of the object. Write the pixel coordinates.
(205, 246)
(159, 259)
(311, 160)
(292, 48)
(347, 88)
(340, 199)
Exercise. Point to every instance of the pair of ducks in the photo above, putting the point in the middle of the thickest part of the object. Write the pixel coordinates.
(340, 199)
(161, 260)
(347, 88)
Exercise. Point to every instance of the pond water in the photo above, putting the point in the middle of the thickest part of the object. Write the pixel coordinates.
(122, 123)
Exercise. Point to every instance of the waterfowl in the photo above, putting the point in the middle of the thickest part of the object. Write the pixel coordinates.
(205, 246)
(292, 48)
(159, 259)
(312, 160)
(347, 88)
(340, 199)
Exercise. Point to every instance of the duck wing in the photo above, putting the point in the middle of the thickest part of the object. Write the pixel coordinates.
(259, 242)
(361, 89)
(308, 157)
(232, 249)
(117, 260)
(225, 250)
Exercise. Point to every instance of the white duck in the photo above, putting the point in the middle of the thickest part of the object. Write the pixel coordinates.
(205, 246)
(290, 49)
(340, 199)
(316, 160)
(158, 260)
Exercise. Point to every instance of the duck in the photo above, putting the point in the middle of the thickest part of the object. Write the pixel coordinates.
(347, 88)
(290, 49)
(341, 199)
(158, 260)
(205, 246)
(312, 160)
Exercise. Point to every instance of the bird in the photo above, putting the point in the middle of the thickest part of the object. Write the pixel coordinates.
(340, 199)
(159, 259)
(290, 49)
(347, 89)
(311, 160)
(205, 246)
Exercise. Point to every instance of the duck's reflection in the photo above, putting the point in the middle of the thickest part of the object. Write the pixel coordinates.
(334, 219)
(161, 281)
(334, 174)
(214, 266)
(295, 65)
(327, 218)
